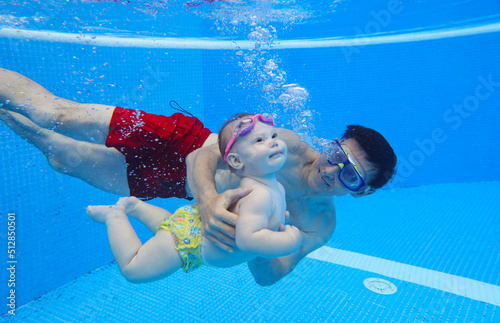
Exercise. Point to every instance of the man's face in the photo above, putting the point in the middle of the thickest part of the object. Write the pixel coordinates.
(324, 177)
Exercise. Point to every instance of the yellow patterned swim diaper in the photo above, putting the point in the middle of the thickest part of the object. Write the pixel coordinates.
(185, 225)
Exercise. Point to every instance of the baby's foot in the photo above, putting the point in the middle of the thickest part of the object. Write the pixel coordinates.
(101, 213)
(131, 203)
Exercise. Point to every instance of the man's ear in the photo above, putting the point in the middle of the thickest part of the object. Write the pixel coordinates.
(233, 160)
(366, 192)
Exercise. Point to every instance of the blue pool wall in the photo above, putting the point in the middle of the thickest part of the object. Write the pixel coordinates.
(403, 90)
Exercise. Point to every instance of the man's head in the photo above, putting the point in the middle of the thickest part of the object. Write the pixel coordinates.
(362, 162)
(379, 153)
(250, 145)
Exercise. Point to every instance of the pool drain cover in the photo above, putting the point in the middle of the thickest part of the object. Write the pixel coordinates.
(380, 286)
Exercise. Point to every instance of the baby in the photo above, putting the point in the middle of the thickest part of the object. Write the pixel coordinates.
(253, 151)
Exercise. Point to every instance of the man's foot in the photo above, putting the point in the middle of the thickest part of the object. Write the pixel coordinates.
(26, 129)
(101, 213)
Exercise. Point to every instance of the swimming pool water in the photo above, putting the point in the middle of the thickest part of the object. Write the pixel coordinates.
(445, 269)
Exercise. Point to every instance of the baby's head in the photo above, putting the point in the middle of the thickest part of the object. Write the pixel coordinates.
(250, 145)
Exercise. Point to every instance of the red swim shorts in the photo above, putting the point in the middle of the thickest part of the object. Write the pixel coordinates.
(155, 149)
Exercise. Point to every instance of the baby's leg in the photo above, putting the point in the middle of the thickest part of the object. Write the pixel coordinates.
(102, 167)
(138, 263)
(149, 215)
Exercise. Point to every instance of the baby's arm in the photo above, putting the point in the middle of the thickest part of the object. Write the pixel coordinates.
(252, 233)
(138, 263)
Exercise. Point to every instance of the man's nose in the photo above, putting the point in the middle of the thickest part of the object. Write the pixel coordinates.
(332, 170)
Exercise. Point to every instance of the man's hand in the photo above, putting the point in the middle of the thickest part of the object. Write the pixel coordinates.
(217, 223)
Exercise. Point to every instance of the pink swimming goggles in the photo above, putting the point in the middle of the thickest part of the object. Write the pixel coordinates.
(245, 126)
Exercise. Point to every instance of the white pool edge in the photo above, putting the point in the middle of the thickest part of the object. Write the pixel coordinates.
(211, 44)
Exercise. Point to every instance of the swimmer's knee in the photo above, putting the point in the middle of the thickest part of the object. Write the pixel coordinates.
(56, 111)
(62, 115)
(64, 165)
(50, 116)
(55, 164)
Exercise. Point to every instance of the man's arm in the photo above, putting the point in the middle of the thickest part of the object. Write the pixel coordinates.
(217, 223)
(201, 167)
(267, 272)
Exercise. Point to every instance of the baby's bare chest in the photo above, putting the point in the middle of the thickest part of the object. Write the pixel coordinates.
(278, 210)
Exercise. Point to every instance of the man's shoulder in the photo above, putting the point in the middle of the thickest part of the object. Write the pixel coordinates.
(286, 132)
(212, 139)
(297, 147)
(290, 138)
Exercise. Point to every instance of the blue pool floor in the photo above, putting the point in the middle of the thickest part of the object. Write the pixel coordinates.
(439, 245)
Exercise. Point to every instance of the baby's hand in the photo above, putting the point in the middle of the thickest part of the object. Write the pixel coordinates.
(282, 226)
(294, 232)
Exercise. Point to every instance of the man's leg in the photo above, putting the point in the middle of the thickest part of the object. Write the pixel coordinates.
(86, 122)
(102, 167)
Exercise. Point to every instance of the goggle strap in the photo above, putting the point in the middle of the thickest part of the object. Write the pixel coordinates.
(229, 145)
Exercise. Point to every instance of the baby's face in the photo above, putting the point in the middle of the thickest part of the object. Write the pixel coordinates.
(261, 151)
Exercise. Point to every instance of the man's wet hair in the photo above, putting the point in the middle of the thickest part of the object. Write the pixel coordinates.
(378, 150)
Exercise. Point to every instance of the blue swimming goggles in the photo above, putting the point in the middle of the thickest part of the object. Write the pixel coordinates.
(349, 174)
